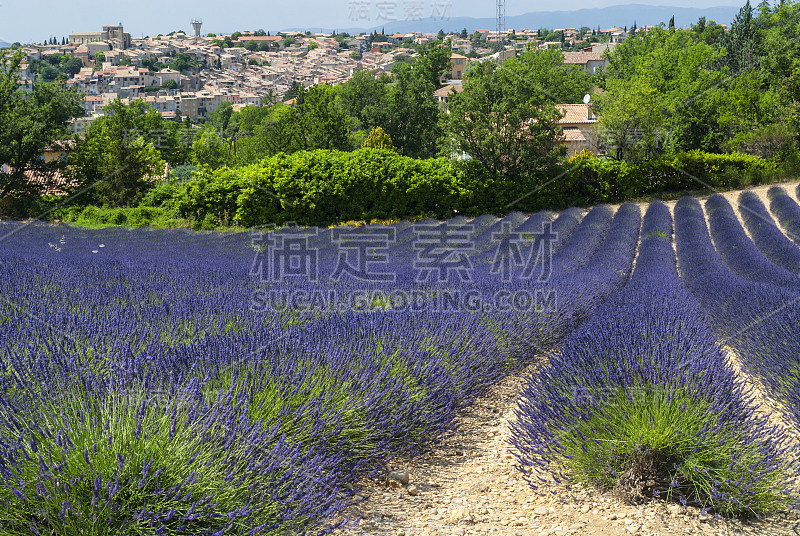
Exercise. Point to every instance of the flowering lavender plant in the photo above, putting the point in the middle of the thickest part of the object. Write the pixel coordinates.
(640, 400)
(766, 235)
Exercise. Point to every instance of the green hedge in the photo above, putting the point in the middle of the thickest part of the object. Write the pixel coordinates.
(328, 187)
(323, 187)
(591, 180)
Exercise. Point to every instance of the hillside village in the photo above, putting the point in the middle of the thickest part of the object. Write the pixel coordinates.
(262, 69)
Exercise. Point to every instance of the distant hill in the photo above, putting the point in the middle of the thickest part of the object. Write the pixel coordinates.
(3, 44)
(605, 17)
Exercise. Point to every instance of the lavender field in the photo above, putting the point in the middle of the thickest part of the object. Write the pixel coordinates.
(170, 382)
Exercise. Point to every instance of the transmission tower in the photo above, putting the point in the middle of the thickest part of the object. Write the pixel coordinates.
(501, 22)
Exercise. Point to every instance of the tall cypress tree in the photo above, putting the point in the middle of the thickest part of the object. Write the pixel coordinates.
(743, 43)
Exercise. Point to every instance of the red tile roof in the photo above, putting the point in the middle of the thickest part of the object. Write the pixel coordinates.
(575, 113)
(582, 57)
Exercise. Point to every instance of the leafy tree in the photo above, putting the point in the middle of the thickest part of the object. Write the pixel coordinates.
(672, 23)
(412, 113)
(221, 117)
(124, 60)
(507, 132)
(209, 149)
(99, 57)
(661, 86)
(708, 31)
(379, 139)
(271, 132)
(293, 91)
(464, 34)
(70, 65)
(355, 55)
(318, 122)
(403, 105)
(364, 97)
(544, 73)
(117, 161)
(251, 45)
(30, 122)
(170, 84)
(432, 62)
(183, 62)
(780, 67)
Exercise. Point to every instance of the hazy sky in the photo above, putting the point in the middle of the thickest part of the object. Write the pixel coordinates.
(35, 20)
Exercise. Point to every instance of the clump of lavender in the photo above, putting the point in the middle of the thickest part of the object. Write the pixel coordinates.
(92, 454)
(640, 400)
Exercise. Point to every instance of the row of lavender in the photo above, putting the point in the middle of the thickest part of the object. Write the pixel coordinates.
(141, 393)
(641, 399)
(754, 305)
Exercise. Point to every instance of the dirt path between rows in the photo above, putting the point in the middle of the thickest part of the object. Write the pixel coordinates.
(469, 485)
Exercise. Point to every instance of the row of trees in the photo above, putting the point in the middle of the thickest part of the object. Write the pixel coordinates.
(675, 90)
(666, 91)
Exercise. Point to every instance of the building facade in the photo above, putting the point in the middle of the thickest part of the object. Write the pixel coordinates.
(113, 35)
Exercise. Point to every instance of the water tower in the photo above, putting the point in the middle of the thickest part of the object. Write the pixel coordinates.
(196, 24)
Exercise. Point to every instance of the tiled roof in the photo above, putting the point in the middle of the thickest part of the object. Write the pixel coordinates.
(446, 90)
(575, 113)
(582, 57)
(573, 134)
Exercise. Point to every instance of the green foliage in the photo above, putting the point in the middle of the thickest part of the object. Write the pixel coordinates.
(661, 95)
(321, 187)
(402, 104)
(55, 67)
(592, 180)
(658, 429)
(432, 62)
(544, 77)
(209, 149)
(743, 43)
(508, 129)
(774, 142)
(30, 122)
(183, 63)
(117, 161)
(378, 139)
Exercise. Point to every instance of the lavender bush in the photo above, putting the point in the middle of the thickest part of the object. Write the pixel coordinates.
(766, 235)
(155, 401)
(757, 319)
(786, 210)
(739, 252)
(640, 400)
